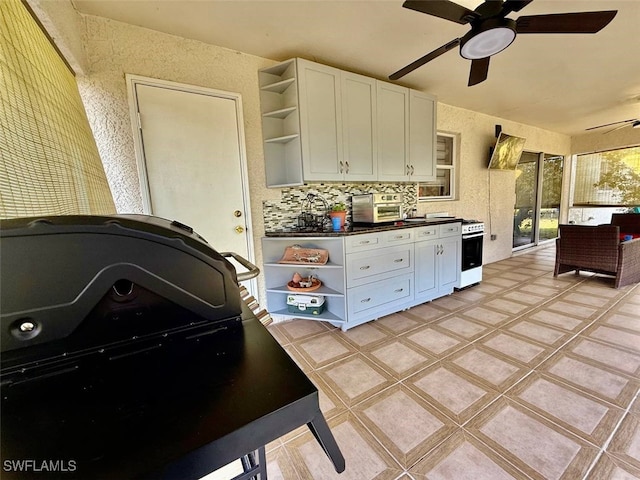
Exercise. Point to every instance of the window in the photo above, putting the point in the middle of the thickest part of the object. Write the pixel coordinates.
(610, 178)
(443, 188)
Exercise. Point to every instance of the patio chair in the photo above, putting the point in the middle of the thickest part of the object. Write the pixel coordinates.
(598, 249)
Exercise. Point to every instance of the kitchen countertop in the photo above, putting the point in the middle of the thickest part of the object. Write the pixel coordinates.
(358, 230)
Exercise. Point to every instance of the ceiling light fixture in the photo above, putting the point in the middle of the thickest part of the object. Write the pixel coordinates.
(636, 124)
(490, 37)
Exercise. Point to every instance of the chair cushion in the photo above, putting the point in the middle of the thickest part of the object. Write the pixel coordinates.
(632, 235)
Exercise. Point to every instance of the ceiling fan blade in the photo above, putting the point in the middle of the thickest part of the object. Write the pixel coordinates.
(514, 6)
(582, 22)
(617, 128)
(422, 60)
(479, 71)
(609, 124)
(441, 9)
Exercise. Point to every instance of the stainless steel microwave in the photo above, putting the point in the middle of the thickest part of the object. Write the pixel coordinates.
(373, 208)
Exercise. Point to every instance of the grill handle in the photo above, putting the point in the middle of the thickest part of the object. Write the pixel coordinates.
(253, 270)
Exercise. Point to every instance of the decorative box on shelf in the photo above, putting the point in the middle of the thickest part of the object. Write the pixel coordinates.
(306, 304)
(296, 254)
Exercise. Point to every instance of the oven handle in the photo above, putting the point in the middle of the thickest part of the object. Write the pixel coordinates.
(472, 235)
(242, 276)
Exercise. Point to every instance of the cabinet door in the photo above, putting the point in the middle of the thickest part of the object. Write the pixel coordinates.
(449, 263)
(359, 127)
(393, 131)
(426, 284)
(422, 137)
(320, 121)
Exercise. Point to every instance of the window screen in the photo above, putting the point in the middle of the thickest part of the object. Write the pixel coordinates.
(49, 163)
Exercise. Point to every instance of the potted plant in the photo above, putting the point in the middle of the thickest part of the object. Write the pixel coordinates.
(338, 210)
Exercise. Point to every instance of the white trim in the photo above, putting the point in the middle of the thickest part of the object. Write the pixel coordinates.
(132, 81)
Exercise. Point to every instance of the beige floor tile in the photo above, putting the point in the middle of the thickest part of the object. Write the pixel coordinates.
(466, 329)
(365, 336)
(323, 349)
(502, 282)
(606, 292)
(407, 425)
(450, 303)
(299, 359)
(461, 456)
(487, 316)
(528, 352)
(488, 367)
(519, 277)
(626, 445)
(623, 321)
(435, 342)
(522, 297)
(471, 295)
(279, 465)
(400, 358)
(584, 415)
(629, 309)
(558, 320)
(516, 433)
(547, 335)
(365, 458)
(610, 468)
(451, 391)
(298, 329)
(425, 313)
(606, 354)
(587, 299)
(488, 288)
(398, 323)
(614, 336)
(507, 306)
(355, 378)
(592, 378)
(547, 292)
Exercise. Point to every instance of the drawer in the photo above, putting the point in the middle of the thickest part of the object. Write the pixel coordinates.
(366, 299)
(450, 230)
(359, 243)
(398, 237)
(366, 267)
(426, 233)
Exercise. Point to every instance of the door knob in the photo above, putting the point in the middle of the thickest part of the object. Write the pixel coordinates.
(237, 213)
(239, 229)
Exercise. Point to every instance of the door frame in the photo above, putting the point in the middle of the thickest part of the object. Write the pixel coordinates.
(131, 82)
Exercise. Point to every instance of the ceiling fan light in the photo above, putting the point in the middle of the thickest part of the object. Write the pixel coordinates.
(491, 37)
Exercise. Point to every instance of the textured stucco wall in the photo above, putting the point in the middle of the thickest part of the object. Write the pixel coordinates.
(600, 140)
(483, 194)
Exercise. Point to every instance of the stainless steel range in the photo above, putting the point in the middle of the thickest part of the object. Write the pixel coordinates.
(472, 240)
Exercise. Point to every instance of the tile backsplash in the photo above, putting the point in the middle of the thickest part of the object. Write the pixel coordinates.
(282, 215)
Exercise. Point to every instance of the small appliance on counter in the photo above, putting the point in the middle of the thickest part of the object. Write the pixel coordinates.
(373, 208)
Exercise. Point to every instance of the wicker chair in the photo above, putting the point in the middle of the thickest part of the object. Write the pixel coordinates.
(598, 249)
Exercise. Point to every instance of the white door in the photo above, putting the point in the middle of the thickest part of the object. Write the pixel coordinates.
(191, 159)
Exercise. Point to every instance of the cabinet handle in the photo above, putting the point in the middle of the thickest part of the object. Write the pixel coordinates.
(347, 164)
(341, 166)
(364, 242)
(399, 237)
(398, 260)
(399, 290)
(412, 169)
(365, 267)
(408, 170)
(365, 300)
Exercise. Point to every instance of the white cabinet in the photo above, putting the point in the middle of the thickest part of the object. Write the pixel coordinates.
(359, 107)
(438, 260)
(324, 124)
(406, 134)
(393, 132)
(281, 125)
(320, 121)
(331, 274)
(371, 274)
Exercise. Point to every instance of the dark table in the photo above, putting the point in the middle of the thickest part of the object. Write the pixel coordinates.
(177, 411)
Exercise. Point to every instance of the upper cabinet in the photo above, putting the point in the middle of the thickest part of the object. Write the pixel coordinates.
(324, 124)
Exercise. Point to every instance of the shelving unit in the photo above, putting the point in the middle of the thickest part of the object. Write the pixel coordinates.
(331, 275)
(281, 124)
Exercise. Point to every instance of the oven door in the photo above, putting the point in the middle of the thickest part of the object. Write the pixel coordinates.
(391, 212)
(472, 250)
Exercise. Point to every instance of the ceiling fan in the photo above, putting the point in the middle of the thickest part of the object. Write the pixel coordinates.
(634, 122)
(491, 30)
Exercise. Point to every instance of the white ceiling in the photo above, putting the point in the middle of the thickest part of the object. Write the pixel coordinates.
(564, 83)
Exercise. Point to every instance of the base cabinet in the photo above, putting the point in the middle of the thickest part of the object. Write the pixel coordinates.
(370, 275)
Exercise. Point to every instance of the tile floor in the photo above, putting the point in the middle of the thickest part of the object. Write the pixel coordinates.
(523, 376)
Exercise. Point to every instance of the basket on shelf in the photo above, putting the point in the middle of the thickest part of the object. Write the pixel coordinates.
(304, 256)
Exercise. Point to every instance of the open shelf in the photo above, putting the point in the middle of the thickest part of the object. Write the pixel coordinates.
(278, 87)
(283, 139)
(323, 290)
(282, 113)
(326, 315)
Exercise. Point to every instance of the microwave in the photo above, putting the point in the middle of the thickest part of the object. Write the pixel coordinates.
(373, 208)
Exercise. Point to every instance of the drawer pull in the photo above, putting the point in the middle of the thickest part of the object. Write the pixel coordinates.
(399, 237)
(365, 267)
(398, 260)
(365, 300)
(399, 290)
(364, 242)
